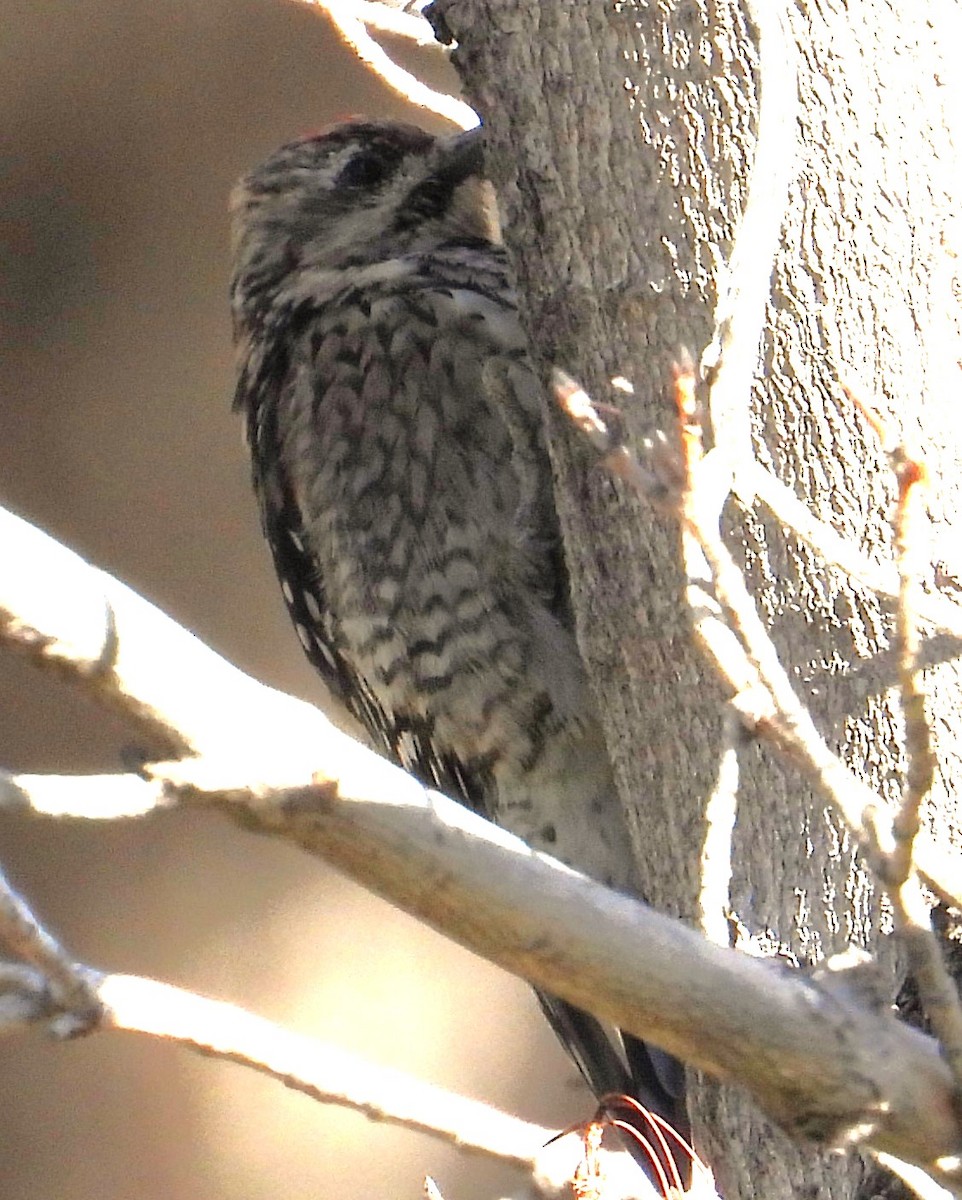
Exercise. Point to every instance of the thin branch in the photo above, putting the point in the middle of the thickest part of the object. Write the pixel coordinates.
(882, 578)
(128, 655)
(806, 1053)
(71, 999)
(352, 21)
(938, 992)
(730, 360)
(68, 984)
(801, 1048)
(662, 478)
(891, 846)
(26, 999)
(922, 1184)
(727, 625)
(613, 454)
(89, 797)
(402, 22)
(317, 1069)
(714, 901)
(792, 726)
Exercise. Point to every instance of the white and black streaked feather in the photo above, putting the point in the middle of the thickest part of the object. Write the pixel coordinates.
(395, 427)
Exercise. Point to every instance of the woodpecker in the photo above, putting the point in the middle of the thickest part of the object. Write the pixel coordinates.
(394, 418)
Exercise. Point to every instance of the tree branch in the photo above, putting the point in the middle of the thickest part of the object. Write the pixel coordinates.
(730, 360)
(48, 988)
(354, 19)
(820, 1061)
(128, 655)
(325, 1072)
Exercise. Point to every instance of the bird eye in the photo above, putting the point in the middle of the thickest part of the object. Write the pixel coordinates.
(365, 170)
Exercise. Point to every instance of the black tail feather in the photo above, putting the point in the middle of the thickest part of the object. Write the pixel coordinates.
(643, 1072)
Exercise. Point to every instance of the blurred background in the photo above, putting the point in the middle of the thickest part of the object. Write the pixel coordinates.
(123, 127)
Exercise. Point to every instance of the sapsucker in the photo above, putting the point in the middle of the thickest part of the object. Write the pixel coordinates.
(395, 425)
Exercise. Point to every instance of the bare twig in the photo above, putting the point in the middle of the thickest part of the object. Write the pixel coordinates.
(49, 989)
(730, 359)
(317, 1069)
(402, 21)
(613, 454)
(799, 1049)
(127, 654)
(922, 1184)
(68, 984)
(25, 999)
(881, 578)
(727, 624)
(792, 726)
(297, 776)
(320, 1070)
(714, 901)
(710, 627)
(90, 797)
(938, 992)
(352, 20)
(889, 843)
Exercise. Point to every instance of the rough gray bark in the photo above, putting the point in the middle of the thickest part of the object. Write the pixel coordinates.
(621, 136)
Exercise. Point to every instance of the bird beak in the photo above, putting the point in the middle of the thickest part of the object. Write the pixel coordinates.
(462, 156)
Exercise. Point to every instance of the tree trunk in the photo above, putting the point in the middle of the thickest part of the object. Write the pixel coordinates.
(621, 139)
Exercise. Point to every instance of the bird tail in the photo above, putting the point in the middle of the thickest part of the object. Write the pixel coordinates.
(648, 1079)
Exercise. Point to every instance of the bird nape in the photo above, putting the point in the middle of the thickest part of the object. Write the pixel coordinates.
(395, 427)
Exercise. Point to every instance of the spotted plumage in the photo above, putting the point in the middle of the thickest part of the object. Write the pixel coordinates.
(395, 427)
